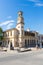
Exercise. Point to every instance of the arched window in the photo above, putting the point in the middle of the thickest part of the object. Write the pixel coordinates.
(11, 33)
(28, 42)
(8, 41)
(37, 41)
(25, 43)
(22, 32)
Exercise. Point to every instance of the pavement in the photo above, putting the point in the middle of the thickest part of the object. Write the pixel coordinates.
(34, 57)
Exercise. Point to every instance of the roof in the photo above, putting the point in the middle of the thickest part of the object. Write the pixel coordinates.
(28, 33)
(11, 29)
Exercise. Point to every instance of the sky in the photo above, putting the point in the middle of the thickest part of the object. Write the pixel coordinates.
(32, 13)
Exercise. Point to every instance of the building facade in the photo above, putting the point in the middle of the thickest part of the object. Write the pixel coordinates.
(40, 37)
(18, 37)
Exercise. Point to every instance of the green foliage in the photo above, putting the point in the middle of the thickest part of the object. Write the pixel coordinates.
(1, 34)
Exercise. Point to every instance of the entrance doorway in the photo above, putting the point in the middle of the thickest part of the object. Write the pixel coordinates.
(26, 43)
(42, 44)
(0, 43)
(11, 46)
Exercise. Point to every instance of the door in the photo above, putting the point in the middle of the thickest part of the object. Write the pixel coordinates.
(11, 46)
(42, 44)
(0, 43)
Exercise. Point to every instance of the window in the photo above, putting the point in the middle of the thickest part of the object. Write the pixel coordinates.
(8, 41)
(28, 43)
(18, 26)
(22, 26)
(25, 43)
(11, 33)
(37, 41)
(22, 32)
(8, 33)
(42, 37)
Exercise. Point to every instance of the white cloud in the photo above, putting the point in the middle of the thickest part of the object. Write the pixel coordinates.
(6, 23)
(33, 0)
(39, 4)
(36, 2)
(9, 26)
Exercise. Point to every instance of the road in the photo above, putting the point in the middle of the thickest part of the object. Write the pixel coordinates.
(25, 58)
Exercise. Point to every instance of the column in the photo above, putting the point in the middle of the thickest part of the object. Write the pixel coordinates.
(9, 46)
(40, 43)
(29, 42)
(36, 44)
(7, 43)
(13, 43)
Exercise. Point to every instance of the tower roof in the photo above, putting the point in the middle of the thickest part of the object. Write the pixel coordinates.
(20, 18)
(20, 13)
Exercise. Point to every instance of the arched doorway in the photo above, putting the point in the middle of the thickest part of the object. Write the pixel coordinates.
(0, 43)
(28, 43)
(42, 44)
(11, 46)
(25, 43)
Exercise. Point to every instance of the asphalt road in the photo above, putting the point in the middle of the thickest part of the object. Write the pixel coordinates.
(25, 58)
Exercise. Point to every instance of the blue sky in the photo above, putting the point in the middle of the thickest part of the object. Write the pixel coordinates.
(32, 9)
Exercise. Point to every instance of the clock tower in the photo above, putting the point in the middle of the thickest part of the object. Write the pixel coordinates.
(20, 28)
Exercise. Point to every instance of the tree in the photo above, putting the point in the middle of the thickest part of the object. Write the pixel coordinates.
(1, 34)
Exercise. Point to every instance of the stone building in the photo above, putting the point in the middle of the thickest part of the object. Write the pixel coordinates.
(18, 37)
